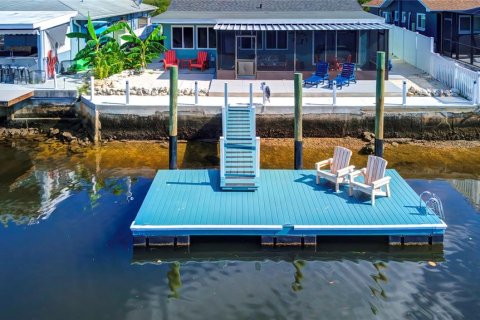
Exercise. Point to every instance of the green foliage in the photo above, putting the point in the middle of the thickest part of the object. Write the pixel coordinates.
(141, 52)
(361, 2)
(162, 5)
(106, 57)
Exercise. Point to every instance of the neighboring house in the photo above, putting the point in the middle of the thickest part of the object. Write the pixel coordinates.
(272, 39)
(454, 25)
(26, 38)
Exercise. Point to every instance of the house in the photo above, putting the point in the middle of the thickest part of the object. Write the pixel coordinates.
(272, 39)
(454, 25)
(29, 30)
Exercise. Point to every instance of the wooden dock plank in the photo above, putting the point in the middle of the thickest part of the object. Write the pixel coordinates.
(190, 202)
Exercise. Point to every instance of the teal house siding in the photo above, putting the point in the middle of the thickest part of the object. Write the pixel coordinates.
(188, 53)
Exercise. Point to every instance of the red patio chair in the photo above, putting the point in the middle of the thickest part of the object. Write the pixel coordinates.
(201, 62)
(170, 59)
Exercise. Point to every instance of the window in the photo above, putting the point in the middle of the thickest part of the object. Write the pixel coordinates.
(182, 37)
(464, 24)
(206, 38)
(404, 17)
(395, 15)
(246, 43)
(421, 21)
(387, 17)
(476, 24)
(276, 40)
(143, 22)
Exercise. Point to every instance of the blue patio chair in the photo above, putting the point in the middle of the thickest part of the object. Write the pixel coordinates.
(320, 75)
(347, 76)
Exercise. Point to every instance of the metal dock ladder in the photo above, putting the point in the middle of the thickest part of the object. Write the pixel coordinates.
(239, 148)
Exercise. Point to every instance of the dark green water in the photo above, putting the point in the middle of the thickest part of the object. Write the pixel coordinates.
(66, 253)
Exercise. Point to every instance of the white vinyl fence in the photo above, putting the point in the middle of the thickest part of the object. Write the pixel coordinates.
(418, 51)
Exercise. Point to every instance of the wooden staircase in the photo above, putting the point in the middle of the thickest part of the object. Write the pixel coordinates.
(239, 149)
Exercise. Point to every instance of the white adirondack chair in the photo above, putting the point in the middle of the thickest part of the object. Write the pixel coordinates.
(339, 167)
(374, 179)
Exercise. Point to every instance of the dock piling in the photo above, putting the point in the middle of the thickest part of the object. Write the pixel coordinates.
(380, 103)
(172, 146)
(404, 93)
(298, 156)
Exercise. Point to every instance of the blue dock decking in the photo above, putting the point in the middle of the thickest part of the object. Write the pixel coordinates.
(289, 203)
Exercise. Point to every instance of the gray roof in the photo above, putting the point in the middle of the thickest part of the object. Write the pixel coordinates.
(219, 11)
(267, 5)
(97, 9)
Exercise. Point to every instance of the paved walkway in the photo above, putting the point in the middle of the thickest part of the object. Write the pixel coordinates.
(11, 94)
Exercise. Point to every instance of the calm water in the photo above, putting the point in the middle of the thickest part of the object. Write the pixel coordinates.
(66, 251)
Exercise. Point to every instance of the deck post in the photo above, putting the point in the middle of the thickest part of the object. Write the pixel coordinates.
(298, 156)
(334, 90)
(404, 93)
(380, 103)
(127, 92)
(92, 88)
(172, 154)
(55, 79)
(196, 92)
(250, 90)
(225, 94)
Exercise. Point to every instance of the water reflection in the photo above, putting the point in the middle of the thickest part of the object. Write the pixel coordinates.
(470, 188)
(298, 265)
(82, 248)
(174, 280)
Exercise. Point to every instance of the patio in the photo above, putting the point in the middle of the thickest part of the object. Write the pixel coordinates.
(284, 88)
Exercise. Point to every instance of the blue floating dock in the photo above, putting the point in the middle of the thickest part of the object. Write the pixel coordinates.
(187, 203)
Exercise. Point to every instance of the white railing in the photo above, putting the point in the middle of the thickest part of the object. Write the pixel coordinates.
(222, 157)
(418, 50)
(257, 157)
(253, 126)
(224, 121)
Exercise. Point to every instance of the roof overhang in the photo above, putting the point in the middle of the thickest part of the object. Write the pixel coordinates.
(16, 32)
(29, 20)
(300, 26)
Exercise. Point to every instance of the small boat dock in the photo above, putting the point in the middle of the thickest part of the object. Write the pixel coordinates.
(288, 209)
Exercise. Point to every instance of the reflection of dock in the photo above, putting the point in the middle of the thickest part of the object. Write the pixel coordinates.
(12, 94)
(289, 208)
(240, 249)
(470, 188)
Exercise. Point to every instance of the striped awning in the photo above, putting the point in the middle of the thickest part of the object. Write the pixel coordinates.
(301, 26)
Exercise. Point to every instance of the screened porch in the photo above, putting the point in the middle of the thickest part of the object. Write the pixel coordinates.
(278, 51)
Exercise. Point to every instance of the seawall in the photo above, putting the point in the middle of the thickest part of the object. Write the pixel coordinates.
(151, 123)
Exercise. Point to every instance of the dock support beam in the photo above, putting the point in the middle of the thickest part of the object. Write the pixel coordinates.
(289, 241)
(161, 241)
(415, 240)
(380, 103)
(173, 143)
(298, 156)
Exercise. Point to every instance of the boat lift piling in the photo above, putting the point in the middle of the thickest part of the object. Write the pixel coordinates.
(298, 155)
(173, 142)
(380, 104)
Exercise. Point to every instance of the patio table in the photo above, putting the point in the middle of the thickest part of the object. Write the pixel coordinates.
(185, 63)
